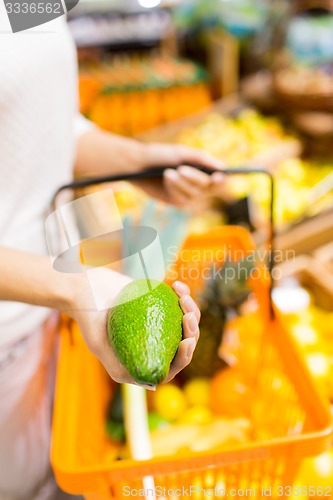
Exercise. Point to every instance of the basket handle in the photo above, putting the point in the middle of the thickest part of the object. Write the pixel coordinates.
(157, 173)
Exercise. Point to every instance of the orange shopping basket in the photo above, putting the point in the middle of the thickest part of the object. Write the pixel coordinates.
(290, 420)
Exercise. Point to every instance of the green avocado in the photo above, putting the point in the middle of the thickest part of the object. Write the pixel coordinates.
(145, 329)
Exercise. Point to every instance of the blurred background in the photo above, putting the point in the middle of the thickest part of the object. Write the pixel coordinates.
(248, 80)
(251, 82)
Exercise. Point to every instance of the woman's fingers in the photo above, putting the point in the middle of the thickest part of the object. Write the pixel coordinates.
(193, 155)
(187, 189)
(183, 357)
(191, 330)
(218, 178)
(186, 302)
(180, 288)
(172, 183)
(190, 326)
(190, 185)
(194, 176)
(189, 306)
(187, 183)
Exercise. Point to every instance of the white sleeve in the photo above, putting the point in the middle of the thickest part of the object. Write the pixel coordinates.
(82, 125)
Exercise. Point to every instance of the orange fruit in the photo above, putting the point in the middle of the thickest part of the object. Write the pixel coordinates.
(230, 395)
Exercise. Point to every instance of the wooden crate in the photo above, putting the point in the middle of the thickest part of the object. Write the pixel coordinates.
(324, 254)
(307, 236)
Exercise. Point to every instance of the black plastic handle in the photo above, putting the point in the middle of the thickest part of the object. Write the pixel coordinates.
(157, 173)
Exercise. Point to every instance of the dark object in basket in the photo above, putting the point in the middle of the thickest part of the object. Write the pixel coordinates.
(115, 427)
(225, 291)
(238, 213)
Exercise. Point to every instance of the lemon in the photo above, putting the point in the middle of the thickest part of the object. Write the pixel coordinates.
(199, 415)
(169, 401)
(197, 391)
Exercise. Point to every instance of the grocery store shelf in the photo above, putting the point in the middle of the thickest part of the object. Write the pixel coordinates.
(129, 6)
(120, 31)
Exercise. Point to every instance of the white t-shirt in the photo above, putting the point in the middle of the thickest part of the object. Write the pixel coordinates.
(38, 127)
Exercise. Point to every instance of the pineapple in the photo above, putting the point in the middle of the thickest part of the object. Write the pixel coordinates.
(224, 292)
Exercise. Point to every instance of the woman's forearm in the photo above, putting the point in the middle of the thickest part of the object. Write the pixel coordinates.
(102, 153)
(30, 278)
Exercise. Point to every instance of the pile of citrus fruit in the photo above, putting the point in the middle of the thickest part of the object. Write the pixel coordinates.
(242, 140)
(202, 415)
(236, 140)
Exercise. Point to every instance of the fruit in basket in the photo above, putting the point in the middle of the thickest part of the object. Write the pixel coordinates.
(187, 437)
(316, 474)
(318, 364)
(171, 440)
(169, 401)
(197, 391)
(115, 423)
(145, 329)
(230, 394)
(224, 291)
(220, 433)
(205, 360)
(156, 421)
(115, 427)
(200, 415)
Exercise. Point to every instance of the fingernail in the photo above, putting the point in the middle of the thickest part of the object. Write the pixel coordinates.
(171, 174)
(220, 164)
(192, 321)
(218, 177)
(186, 171)
(149, 387)
(191, 346)
(187, 302)
(178, 286)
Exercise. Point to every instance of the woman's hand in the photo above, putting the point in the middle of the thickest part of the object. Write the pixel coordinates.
(101, 153)
(184, 185)
(191, 331)
(93, 324)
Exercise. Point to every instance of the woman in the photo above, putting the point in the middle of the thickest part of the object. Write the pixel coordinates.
(43, 143)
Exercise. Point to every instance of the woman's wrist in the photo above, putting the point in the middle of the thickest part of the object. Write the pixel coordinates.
(66, 291)
(103, 153)
(155, 155)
